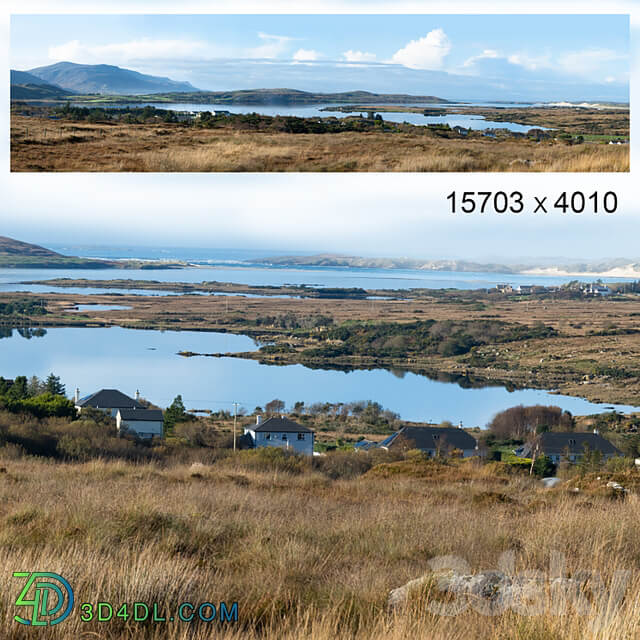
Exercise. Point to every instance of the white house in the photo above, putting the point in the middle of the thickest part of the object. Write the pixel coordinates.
(281, 432)
(596, 289)
(144, 423)
(107, 400)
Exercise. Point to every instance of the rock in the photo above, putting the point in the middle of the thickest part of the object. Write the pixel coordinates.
(490, 592)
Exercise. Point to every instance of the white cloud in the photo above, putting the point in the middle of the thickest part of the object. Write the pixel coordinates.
(149, 49)
(587, 61)
(143, 49)
(306, 54)
(426, 53)
(486, 54)
(272, 47)
(531, 63)
(358, 56)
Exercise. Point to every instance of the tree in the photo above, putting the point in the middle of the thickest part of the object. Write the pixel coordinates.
(18, 389)
(35, 386)
(54, 386)
(543, 467)
(275, 406)
(591, 460)
(521, 422)
(175, 413)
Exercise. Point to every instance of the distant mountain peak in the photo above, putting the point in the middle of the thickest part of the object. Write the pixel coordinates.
(106, 78)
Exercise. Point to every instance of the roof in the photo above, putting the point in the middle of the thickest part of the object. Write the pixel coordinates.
(280, 424)
(109, 399)
(365, 445)
(145, 415)
(558, 443)
(432, 438)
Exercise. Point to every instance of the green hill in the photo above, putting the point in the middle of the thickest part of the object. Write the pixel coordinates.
(269, 97)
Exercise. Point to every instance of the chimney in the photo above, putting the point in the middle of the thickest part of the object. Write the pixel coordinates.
(258, 419)
(76, 397)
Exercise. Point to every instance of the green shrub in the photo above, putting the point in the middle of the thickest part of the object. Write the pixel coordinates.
(272, 459)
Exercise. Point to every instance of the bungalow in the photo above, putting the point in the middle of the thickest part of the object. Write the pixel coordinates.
(144, 423)
(107, 400)
(280, 432)
(461, 130)
(434, 441)
(568, 446)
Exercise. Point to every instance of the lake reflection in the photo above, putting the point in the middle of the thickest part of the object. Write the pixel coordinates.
(128, 359)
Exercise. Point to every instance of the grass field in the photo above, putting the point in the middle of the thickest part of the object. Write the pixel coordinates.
(306, 556)
(56, 145)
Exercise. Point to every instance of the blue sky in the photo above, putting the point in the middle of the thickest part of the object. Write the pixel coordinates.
(523, 56)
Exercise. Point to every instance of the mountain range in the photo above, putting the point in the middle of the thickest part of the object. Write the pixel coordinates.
(324, 79)
(96, 78)
(615, 267)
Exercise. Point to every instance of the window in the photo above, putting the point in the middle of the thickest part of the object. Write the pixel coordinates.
(301, 436)
(284, 436)
(267, 436)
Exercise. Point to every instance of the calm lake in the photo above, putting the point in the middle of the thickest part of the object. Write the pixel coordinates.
(316, 111)
(127, 359)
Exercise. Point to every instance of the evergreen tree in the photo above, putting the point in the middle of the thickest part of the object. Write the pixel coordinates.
(18, 389)
(175, 413)
(54, 386)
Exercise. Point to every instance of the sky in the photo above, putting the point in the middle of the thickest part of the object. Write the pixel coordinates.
(377, 214)
(533, 57)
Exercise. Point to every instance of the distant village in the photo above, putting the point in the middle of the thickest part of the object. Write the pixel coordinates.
(593, 289)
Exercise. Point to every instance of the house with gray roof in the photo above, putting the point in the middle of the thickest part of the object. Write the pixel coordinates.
(568, 446)
(107, 400)
(143, 423)
(280, 432)
(434, 441)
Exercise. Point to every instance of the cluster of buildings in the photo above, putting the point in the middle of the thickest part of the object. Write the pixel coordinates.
(130, 414)
(590, 290)
(567, 446)
(279, 431)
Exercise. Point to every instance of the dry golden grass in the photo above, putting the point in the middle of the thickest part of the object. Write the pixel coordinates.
(50, 145)
(305, 557)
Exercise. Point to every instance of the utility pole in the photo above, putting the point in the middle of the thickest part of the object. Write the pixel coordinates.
(235, 419)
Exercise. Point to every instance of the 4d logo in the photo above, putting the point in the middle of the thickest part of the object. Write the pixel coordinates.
(46, 597)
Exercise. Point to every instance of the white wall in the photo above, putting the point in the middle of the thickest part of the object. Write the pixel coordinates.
(291, 442)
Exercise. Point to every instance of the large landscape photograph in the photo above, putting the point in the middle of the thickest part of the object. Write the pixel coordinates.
(321, 326)
(320, 93)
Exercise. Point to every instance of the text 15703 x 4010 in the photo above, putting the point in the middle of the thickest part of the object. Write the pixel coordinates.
(515, 202)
